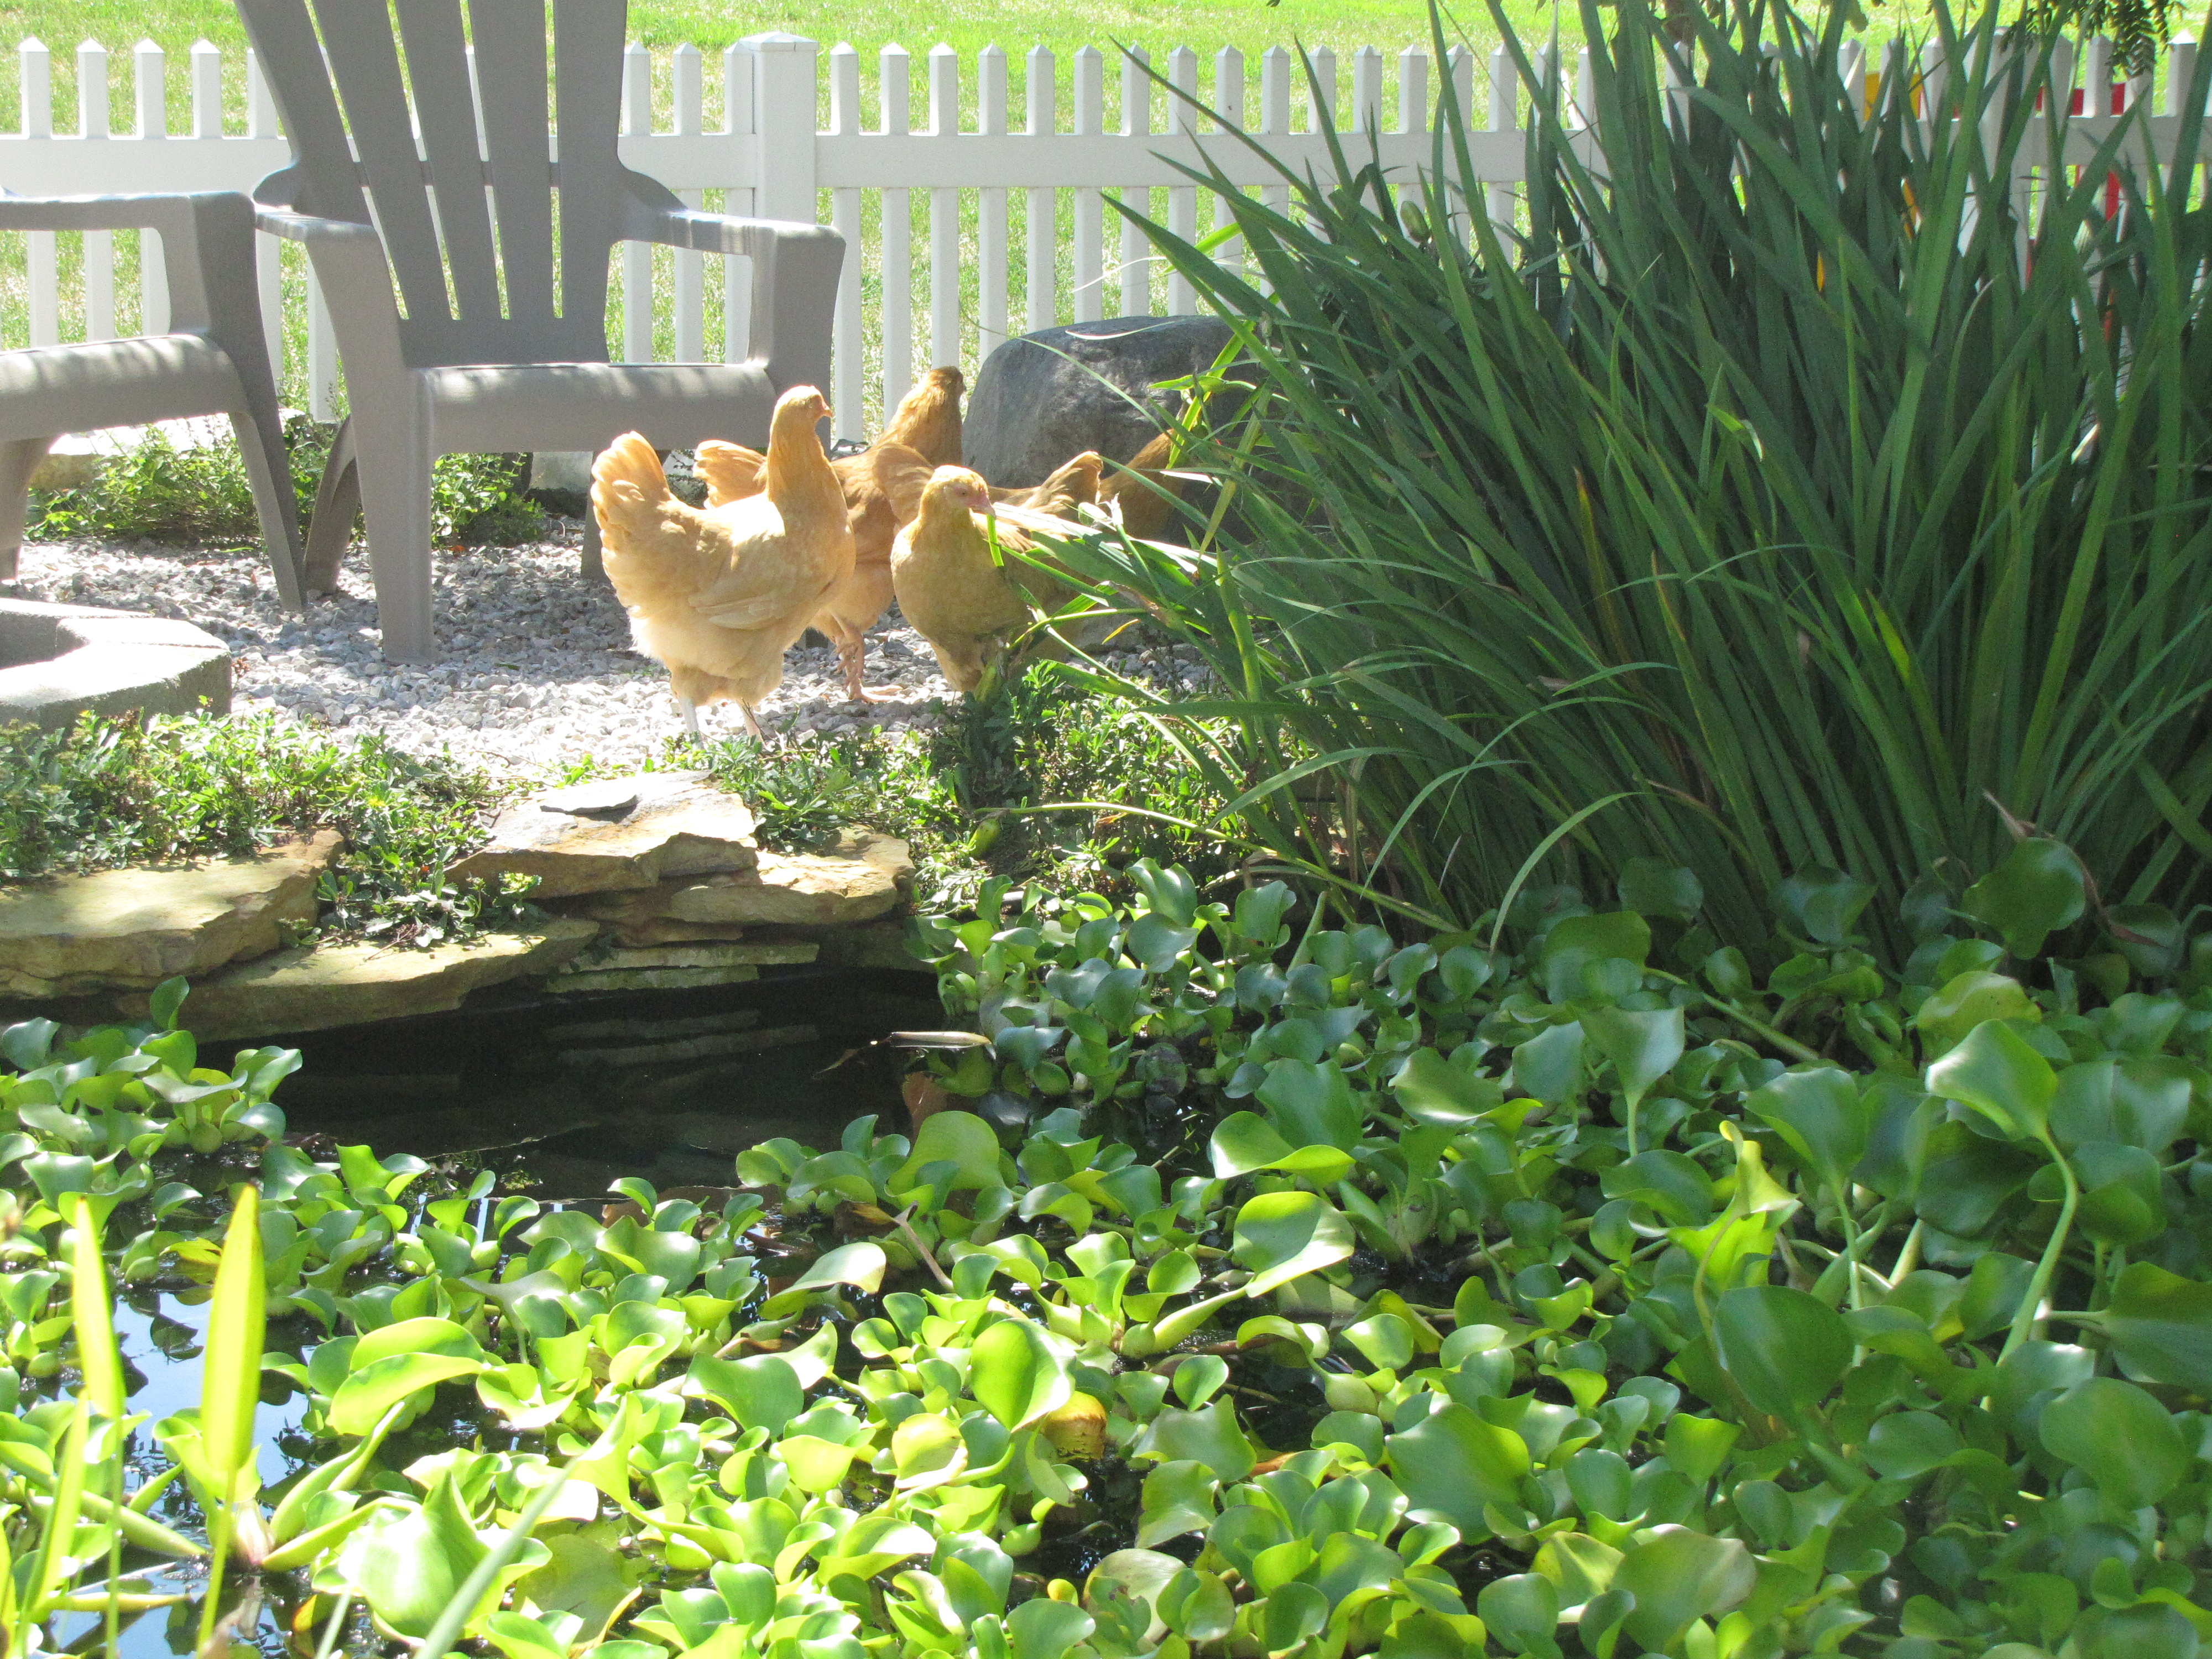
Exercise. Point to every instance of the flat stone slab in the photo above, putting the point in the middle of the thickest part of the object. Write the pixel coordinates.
(651, 931)
(58, 661)
(313, 987)
(616, 836)
(863, 878)
(133, 928)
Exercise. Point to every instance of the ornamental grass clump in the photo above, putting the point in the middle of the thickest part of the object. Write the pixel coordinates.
(1789, 496)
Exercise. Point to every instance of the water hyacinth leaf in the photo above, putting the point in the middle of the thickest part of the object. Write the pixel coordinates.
(2147, 1630)
(1045, 1629)
(1961, 1004)
(367, 1394)
(1786, 1350)
(1209, 1437)
(1579, 1566)
(1823, 1117)
(2038, 888)
(2120, 1436)
(410, 1565)
(861, 1265)
(1311, 1104)
(1522, 1611)
(1281, 1236)
(1652, 887)
(961, 1139)
(1643, 1046)
(1453, 1465)
(1679, 1577)
(1575, 942)
(1017, 1373)
(1549, 1065)
(1994, 1071)
(1155, 944)
(1245, 1141)
(2161, 1326)
(760, 1391)
(1138, 1577)
(1199, 1377)
(1673, 1184)
(1178, 1500)
(1289, 1614)
(1431, 1089)
(2122, 1203)
(2137, 1103)
(1905, 1445)
(1822, 904)
(1197, 1606)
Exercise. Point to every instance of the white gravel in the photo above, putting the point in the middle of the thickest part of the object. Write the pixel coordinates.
(535, 671)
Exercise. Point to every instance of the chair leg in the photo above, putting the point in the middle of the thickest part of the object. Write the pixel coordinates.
(269, 470)
(594, 564)
(338, 504)
(18, 459)
(394, 468)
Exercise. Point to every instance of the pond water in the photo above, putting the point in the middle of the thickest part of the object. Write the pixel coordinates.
(560, 1096)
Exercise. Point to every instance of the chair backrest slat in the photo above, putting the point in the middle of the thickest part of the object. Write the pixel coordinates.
(587, 44)
(444, 106)
(324, 180)
(364, 55)
(389, 127)
(512, 78)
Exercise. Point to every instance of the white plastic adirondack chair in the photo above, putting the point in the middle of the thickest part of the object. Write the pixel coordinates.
(405, 169)
(213, 360)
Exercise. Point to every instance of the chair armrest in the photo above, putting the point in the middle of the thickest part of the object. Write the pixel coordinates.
(207, 244)
(356, 281)
(795, 271)
(168, 212)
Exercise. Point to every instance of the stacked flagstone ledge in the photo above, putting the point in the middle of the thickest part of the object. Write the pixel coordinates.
(654, 882)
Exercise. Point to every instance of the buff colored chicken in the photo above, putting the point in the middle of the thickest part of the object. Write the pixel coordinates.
(923, 433)
(1143, 494)
(1072, 485)
(718, 597)
(958, 596)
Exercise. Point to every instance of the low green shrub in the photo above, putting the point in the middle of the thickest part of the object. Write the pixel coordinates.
(1252, 1286)
(157, 492)
(104, 793)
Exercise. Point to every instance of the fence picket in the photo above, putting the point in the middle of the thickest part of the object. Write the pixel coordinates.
(41, 271)
(1042, 301)
(990, 207)
(943, 212)
(687, 87)
(847, 342)
(1229, 106)
(893, 72)
(92, 122)
(1136, 122)
(739, 69)
(1182, 199)
(1089, 205)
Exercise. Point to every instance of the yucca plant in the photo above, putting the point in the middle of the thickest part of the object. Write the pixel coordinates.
(1785, 495)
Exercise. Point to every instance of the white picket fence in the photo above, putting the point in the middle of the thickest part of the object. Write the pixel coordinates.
(767, 153)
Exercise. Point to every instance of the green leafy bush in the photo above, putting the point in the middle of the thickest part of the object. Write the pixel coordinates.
(104, 793)
(1762, 514)
(188, 497)
(1248, 1287)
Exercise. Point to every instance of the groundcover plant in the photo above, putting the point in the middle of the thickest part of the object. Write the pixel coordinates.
(1249, 1287)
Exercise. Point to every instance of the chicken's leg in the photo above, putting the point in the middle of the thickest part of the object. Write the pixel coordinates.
(853, 652)
(691, 719)
(753, 723)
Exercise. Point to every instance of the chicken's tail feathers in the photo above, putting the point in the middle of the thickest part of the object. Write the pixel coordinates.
(627, 484)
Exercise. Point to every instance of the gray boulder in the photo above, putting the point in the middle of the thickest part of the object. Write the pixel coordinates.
(1042, 397)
